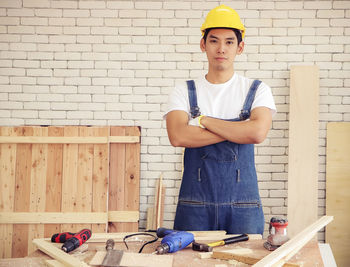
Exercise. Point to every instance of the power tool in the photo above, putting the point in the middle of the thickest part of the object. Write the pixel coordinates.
(278, 233)
(173, 240)
(76, 240)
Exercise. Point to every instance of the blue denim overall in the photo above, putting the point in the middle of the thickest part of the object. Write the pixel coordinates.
(219, 189)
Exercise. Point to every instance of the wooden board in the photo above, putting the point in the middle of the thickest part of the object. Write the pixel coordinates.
(124, 181)
(303, 148)
(338, 190)
(62, 179)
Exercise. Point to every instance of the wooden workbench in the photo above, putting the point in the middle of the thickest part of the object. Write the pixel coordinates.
(308, 256)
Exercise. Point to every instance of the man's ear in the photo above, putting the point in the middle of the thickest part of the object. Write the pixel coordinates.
(240, 48)
(202, 45)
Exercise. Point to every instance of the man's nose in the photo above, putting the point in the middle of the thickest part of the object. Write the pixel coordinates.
(221, 48)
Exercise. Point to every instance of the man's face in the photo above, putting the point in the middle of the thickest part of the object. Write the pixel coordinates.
(221, 48)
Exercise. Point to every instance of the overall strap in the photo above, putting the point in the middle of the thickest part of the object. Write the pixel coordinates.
(192, 96)
(245, 112)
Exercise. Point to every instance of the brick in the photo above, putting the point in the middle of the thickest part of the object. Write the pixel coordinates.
(76, 13)
(34, 21)
(39, 72)
(11, 3)
(92, 5)
(19, 12)
(158, 14)
(36, 3)
(48, 30)
(21, 97)
(104, 13)
(62, 21)
(34, 39)
(64, 4)
(120, 4)
(79, 115)
(78, 81)
(76, 30)
(317, 5)
(21, 29)
(25, 114)
(148, 5)
(91, 106)
(78, 48)
(48, 12)
(9, 21)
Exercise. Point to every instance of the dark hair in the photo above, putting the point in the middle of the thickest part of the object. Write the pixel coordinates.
(236, 31)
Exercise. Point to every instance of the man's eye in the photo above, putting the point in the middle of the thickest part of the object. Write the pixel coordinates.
(213, 41)
(230, 42)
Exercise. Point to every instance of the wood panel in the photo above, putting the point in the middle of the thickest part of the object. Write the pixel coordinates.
(303, 148)
(7, 188)
(338, 190)
(124, 181)
(63, 179)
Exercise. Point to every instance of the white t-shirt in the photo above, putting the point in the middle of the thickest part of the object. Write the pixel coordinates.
(223, 101)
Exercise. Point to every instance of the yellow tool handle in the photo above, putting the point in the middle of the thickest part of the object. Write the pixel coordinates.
(217, 243)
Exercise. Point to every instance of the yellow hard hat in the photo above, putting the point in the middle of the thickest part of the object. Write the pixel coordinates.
(223, 17)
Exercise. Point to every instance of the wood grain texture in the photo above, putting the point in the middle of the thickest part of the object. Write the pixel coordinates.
(116, 200)
(100, 176)
(7, 188)
(54, 179)
(338, 190)
(303, 148)
(37, 185)
(22, 192)
(43, 182)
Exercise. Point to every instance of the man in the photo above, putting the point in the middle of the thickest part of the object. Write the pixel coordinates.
(218, 119)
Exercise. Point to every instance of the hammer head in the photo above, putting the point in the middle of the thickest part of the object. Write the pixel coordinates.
(201, 247)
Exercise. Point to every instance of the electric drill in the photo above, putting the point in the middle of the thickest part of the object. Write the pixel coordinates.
(77, 240)
(173, 240)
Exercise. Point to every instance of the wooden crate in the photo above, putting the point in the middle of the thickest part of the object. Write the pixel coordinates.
(55, 179)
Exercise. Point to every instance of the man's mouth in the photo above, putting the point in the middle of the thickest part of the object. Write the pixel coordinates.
(220, 58)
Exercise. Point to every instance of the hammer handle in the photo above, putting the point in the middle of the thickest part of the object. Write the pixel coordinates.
(229, 240)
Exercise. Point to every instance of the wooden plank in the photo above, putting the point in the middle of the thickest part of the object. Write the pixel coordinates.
(37, 185)
(123, 216)
(58, 254)
(84, 175)
(136, 259)
(303, 148)
(100, 177)
(7, 189)
(132, 176)
(288, 249)
(68, 140)
(116, 186)
(69, 178)
(338, 190)
(22, 192)
(54, 179)
(53, 217)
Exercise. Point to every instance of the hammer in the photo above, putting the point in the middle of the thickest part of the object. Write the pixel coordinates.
(209, 247)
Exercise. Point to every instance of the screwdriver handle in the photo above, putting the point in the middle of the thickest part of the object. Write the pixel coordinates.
(109, 244)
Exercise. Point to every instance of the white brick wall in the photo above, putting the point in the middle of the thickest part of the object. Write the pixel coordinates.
(90, 62)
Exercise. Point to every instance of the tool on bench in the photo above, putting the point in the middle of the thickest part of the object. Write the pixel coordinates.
(74, 241)
(173, 240)
(209, 247)
(61, 237)
(113, 257)
(278, 233)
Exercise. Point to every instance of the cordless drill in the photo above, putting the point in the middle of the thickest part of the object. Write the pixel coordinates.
(71, 240)
(173, 240)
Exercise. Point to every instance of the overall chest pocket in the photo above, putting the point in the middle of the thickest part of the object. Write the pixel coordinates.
(221, 152)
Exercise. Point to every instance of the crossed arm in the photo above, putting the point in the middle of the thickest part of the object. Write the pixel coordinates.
(252, 131)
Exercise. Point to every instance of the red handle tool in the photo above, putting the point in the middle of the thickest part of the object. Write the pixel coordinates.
(61, 237)
(77, 240)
